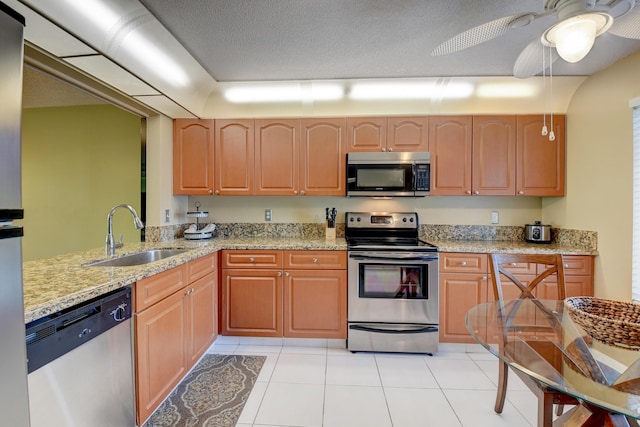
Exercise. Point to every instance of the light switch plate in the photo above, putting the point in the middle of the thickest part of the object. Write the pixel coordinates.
(495, 217)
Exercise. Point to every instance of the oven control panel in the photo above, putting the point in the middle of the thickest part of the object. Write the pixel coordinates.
(381, 220)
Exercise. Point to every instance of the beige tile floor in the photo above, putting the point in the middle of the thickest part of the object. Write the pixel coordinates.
(318, 383)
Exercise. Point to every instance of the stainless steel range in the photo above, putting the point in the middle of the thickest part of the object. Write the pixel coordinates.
(392, 284)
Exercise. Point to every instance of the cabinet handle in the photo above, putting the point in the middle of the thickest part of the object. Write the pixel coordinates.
(468, 192)
(295, 191)
(384, 149)
(315, 260)
(566, 265)
(210, 191)
(251, 259)
(217, 192)
(463, 263)
(302, 192)
(390, 149)
(286, 274)
(279, 273)
(484, 277)
(513, 264)
(521, 192)
(476, 192)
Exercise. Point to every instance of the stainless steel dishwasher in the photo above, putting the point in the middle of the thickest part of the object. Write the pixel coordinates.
(80, 365)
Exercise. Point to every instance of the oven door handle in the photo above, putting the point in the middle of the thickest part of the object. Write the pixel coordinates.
(418, 330)
(403, 257)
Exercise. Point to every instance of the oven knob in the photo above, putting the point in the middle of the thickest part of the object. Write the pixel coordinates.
(359, 219)
(404, 219)
(351, 219)
(410, 219)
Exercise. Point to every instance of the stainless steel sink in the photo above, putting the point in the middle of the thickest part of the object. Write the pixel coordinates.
(137, 258)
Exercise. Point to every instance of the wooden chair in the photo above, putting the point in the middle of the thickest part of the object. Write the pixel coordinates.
(550, 265)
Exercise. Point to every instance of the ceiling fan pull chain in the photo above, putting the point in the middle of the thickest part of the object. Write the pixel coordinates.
(544, 93)
(552, 135)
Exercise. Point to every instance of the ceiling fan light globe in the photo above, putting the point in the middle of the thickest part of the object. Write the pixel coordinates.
(575, 40)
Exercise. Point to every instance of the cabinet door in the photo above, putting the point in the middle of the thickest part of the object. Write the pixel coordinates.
(315, 304)
(576, 286)
(366, 134)
(202, 325)
(323, 157)
(252, 302)
(161, 344)
(234, 157)
(408, 133)
(193, 156)
(458, 293)
(494, 155)
(450, 145)
(540, 162)
(277, 157)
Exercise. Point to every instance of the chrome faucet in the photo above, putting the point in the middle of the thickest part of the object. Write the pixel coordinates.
(110, 244)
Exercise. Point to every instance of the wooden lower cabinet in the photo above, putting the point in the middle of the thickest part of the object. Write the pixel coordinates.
(315, 304)
(459, 292)
(173, 333)
(304, 295)
(465, 282)
(252, 302)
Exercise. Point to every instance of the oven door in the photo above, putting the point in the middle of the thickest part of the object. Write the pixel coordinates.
(380, 180)
(393, 287)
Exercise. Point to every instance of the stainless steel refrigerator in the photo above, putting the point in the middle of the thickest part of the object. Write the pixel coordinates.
(14, 400)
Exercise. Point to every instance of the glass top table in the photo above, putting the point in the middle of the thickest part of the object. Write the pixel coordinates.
(525, 333)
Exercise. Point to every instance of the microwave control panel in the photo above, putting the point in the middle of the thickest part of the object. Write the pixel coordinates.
(423, 178)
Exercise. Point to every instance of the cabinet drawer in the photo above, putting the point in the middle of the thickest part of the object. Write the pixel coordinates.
(202, 266)
(522, 268)
(150, 290)
(575, 265)
(463, 263)
(336, 260)
(251, 259)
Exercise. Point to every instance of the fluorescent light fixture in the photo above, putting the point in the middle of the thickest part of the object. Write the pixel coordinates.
(436, 89)
(392, 90)
(101, 15)
(573, 38)
(109, 21)
(284, 92)
(506, 90)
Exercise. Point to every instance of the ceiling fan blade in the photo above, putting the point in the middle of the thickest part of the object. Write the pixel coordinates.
(482, 33)
(628, 26)
(529, 62)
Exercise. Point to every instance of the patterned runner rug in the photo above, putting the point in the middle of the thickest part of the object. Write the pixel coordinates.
(211, 395)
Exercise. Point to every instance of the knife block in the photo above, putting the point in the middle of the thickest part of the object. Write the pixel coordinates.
(330, 233)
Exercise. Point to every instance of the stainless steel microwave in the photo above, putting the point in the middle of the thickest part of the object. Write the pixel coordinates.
(388, 174)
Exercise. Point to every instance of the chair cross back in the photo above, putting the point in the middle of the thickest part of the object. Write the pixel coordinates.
(499, 268)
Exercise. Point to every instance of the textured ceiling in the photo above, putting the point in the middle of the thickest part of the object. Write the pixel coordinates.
(39, 90)
(249, 40)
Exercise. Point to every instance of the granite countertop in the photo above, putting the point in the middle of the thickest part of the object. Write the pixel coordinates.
(489, 246)
(56, 283)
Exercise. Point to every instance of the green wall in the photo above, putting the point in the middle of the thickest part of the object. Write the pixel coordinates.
(77, 163)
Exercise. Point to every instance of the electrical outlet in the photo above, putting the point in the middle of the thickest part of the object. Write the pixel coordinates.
(268, 215)
(167, 215)
(495, 217)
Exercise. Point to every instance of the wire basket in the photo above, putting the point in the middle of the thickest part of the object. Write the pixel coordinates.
(612, 322)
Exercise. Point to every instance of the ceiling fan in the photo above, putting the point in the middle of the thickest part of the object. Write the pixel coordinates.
(579, 22)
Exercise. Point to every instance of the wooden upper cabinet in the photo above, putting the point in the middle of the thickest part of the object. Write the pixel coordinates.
(323, 157)
(450, 145)
(277, 157)
(540, 162)
(234, 157)
(366, 134)
(408, 133)
(494, 156)
(193, 154)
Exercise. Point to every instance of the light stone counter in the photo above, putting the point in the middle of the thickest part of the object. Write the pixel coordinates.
(56, 283)
(520, 247)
